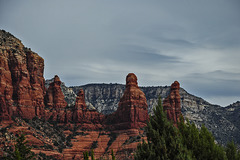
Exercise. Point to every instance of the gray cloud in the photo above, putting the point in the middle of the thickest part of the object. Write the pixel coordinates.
(215, 86)
(195, 42)
(216, 83)
(139, 55)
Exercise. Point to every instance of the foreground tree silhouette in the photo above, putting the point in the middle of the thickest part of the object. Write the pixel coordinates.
(21, 151)
(163, 139)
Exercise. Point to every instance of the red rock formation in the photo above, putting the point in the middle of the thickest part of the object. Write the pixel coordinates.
(22, 93)
(89, 119)
(132, 109)
(56, 103)
(80, 101)
(54, 97)
(21, 78)
(37, 81)
(4, 112)
(122, 144)
(172, 104)
(5, 105)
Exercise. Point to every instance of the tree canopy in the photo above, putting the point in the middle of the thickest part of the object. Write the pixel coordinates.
(184, 142)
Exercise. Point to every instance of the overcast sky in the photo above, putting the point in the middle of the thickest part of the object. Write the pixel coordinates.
(194, 42)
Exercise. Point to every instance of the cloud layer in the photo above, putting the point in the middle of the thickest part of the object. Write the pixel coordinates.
(195, 42)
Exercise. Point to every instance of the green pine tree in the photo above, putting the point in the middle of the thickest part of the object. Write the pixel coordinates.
(113, 156)
(231, 151)
(163, 139)
(92, 155)
(85, 155)
(200, 143)
(21, 151)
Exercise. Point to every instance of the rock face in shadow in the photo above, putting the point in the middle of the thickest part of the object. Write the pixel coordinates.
(172, 103)
(88, 118)
(54, 97)
(132, 109)
(21, 80)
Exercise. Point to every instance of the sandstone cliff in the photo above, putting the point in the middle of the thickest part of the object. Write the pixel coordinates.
(22, 82)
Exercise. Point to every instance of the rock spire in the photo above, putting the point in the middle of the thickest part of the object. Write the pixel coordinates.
(132, 109)
(54, 97)
(172, 104)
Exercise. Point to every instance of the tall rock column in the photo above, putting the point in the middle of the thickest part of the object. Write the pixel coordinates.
(132, 109)
(55, 102)
(87, 118)
(80, 107)
(172, 104)
(54, 96)
(35, 66)
(80, 100)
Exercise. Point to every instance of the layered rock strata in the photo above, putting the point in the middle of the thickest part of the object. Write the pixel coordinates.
(172, 103)
(21, 79)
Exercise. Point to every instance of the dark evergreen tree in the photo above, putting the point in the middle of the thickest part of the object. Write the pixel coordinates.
(85, 155)
(113, 156)
(167, 142)
(21, 150)
(92, 155)
(200, 143)
(163, 139)
(231, 151)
